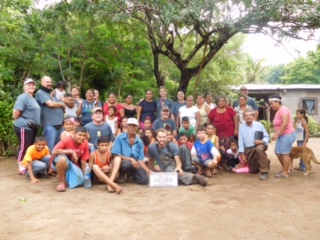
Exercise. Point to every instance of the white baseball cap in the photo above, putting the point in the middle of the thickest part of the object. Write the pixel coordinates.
(133, 121)
(28, 80)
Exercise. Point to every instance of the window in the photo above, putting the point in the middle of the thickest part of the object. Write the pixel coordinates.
(310, 105)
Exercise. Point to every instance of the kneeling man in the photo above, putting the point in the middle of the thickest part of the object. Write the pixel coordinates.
(167, 157)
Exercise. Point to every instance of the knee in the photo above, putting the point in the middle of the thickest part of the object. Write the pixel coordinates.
(63, 160)
(143, 181)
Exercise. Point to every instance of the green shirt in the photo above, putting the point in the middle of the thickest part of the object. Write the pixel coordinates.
(191, 130)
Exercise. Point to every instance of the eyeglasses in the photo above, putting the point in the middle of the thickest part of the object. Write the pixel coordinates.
(244, 90)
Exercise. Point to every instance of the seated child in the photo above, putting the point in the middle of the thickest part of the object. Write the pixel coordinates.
(68, 126)
(100, 160)
(123, 126)
(234, 158)
(150, 134)
(170, 137)
(147, 139)
(37, 159)
(183, 140)
(112, 119)
(211, 135)
(204, 153)
(187, 128)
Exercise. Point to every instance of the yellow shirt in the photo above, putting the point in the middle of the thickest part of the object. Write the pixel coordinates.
(32, 154)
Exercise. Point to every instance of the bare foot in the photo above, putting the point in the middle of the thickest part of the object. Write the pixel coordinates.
(208, 173)
(118, 189)
(109, 188)
(215, 171)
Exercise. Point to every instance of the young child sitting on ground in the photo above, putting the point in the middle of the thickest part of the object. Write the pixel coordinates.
(123, 126)
(100, 161)
(234, 157)
(188, 129)
(68, 126)
(37, 159)
(203, 152)
(183, 140)
(112, 119)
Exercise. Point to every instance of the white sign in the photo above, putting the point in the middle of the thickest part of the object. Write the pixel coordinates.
(163, 179)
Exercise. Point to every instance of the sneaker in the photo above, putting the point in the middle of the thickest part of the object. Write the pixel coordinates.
(193, 169)
(200, 180)
(122, 178)
(264, 176)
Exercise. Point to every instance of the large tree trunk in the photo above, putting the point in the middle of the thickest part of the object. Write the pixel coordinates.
(157, 74)
(185, 77)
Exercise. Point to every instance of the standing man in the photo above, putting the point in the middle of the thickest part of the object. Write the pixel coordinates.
(253, 144)
(165, 121)
(250, 101)
(52, 112)
(167, 157)
(128, 148)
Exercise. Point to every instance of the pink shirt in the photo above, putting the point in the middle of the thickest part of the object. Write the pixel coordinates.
(277, 121)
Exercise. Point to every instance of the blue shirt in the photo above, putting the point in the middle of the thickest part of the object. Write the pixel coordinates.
(121, 146)
(204, 151)
(159, 123)
(246, 135)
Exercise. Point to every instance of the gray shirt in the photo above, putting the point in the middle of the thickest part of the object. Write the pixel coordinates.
(49, 116)
(175, 108)
(159, 123)
(29, 108)
(161, 103)
(97, 131)
(154, 153)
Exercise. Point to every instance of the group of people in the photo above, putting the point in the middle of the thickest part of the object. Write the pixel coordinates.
(121, 140)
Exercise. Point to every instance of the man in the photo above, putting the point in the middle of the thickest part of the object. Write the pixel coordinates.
(98, 128)
(250, 101)
(165, 121)
(167, 157)
(52, 112)
(74, 150)
(253, 143)
(128, 148)
(71, 108)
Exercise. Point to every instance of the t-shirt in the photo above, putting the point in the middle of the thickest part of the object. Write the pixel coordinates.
(159, 123)
(118, 107)
(112, 123)
(71, 112)
(82, 150)
(29, 108)
(60, 94)
(204, 151)
(191, 131)
(235, 155)
(49, 116)
(188, 144)
(154, 154)
(223, 122)
(161, 103)
(86, 111)
(96, 131)
(277, 120)
(175, 108)
(148, 110)
(189, 112)
(32, 154)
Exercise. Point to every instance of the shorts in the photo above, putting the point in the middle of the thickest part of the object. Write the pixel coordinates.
(284, 143)
(55, 161)
(205, 163)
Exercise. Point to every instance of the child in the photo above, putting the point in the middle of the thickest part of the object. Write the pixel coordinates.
(170, 137)
(100, 163)
(123, 126)
(146, 124)
(302, 133)
(60, 91)
(212, 135)
(37, 159)
(187, 128)
(183, 140)
(68, 126)
(234, 158)
(204, 153)
(112, 119)
(150, 134)
(77, 123)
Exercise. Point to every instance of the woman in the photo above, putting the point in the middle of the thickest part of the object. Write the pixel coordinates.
(162, 101)
(204, 110)
(146, 109)
(75, 92)
(174, 111)
(96, 96)
(285, 134)
(243, 106)
(190, 111)
(85, 107)
(112, 101)
(225, 120)
(26, 115)
(130, 110)
(209, 101)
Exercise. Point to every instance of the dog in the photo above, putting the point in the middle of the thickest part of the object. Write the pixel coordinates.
(306, 154)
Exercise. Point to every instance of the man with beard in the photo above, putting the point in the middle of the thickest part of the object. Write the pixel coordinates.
(52, 112)
(165, 121)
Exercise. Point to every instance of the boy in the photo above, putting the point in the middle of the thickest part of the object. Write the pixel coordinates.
(204, 153)
(183, 140)
(37, 159)
(100, 162)
(187, 128)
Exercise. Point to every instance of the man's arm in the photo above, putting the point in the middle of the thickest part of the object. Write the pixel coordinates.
(53, 104)
(178, 165)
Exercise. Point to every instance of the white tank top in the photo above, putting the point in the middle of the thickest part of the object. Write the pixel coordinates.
(299, 132)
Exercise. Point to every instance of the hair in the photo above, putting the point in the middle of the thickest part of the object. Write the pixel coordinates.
(148, 129)
(80, 129)
(114, 108)
(168, 128)
(247, 110)
(127, 95)
(147, 118)
(183, 135)
(69, 95)
(76, 87)
(243, 96)
(68, 119)
(40, 138)
(200, 95)
(162, 87)
(91, 90)
(304, 113)
(276, 96)
(233, 141)
(221, 97)
(208, 94)
(112, 93)
(148, 90)
(185, 119)
(161, 130)
(61, 84)
(201, 129)
(210, 124)
(103, 139)
(145, 140)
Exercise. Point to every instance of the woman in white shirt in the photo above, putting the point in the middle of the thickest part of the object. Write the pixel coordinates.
(190, 111)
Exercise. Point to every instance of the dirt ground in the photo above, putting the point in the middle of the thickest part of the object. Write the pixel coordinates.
(230, 207)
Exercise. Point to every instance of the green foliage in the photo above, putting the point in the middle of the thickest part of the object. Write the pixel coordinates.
(274, 73)
(314, 127)
(267, 125)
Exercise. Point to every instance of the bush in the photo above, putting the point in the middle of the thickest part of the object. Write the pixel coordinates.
(313, 127)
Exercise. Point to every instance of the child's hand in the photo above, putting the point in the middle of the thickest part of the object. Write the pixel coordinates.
(34, 181)
(105, 169)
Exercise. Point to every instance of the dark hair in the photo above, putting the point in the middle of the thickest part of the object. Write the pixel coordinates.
(243, 96)
(147, 118)
(112, 93)
(233, 141)
(127, 95)
(145, 140)
(304, 113)
(103, 139)
(148, 90)
(40, 138)
(183, 135)
(208, 94)
(201, 129)
(69, 95)
(211, 125)
(76, 87)
(91, 90)
(61, 84)
(168, 129)
(80, 129)
(276, 96)
(185, 119)
(149, 129)
(114, 108)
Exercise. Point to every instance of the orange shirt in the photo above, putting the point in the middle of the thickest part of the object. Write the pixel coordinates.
(32, 154)
(97, 160)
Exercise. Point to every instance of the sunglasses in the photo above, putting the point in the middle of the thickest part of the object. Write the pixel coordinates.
(244, 90)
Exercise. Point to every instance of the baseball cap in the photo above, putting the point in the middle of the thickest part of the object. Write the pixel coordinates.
(165, 108)
(96, 109)
(29, 80)
(132, 121)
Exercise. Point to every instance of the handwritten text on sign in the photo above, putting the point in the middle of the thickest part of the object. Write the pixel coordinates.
(163, 179)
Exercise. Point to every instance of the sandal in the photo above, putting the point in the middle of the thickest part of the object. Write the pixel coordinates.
(281, 175)
(298, 169)
(61, 187)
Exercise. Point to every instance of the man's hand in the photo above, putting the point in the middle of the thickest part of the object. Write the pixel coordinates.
(134, 163)
(34, 180)
(179, 171)
(75, 157)
(243, 157)
(257, 142)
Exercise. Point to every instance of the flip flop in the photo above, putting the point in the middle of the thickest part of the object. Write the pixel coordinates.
(61, 187)
(281, 175)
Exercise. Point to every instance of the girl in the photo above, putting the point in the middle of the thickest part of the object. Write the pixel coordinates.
(123, 126)
(302, 133)
(150, 134)
(234, 157)
(147, 139)
(146, 124)
(170, 137)
(68, 126)
(112, 119)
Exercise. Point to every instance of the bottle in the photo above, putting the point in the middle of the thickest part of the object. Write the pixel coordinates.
(87, 177)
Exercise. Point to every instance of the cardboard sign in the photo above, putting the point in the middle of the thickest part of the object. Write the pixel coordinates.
(163, 179)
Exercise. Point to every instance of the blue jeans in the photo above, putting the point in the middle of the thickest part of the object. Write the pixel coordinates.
(40, 166)
(301, 164)
(52, 135)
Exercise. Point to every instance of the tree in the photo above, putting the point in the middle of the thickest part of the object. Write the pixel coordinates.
(274, 73)
(254, 70)
(170, 24)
